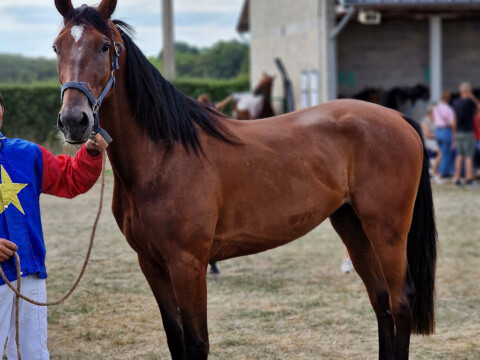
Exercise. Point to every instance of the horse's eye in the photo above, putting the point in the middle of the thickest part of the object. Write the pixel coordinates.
(105, 47)
(55, 49)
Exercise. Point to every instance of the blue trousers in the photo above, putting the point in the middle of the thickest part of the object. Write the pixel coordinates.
(444, 139)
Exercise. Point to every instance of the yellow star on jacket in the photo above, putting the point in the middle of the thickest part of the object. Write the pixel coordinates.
(9, 192)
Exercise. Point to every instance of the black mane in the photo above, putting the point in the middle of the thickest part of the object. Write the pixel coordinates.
(165, 113)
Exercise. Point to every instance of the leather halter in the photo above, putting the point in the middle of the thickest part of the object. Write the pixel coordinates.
(97, 103)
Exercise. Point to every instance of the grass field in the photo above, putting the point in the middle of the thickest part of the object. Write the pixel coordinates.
(288, 303)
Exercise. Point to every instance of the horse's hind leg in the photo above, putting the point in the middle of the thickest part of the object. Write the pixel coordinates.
(388, 231)
(159, 281)
(348, 226)
(393, 261)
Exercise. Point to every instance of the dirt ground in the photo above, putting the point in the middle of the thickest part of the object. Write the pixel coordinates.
(289, 303)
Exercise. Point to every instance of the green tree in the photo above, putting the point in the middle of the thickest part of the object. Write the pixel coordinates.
(20, 69)
(223, 60)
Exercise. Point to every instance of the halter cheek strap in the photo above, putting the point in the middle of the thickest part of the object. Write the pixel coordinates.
(97, 103)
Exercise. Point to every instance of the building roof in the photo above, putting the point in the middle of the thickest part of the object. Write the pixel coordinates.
(244, 21)
(415, 5)
(408, 2)
(416, 9)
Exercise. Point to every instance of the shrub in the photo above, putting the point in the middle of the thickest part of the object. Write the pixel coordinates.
(216, 89)
(31, 112)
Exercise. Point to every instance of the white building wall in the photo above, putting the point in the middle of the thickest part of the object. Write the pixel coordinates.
(395, 53)
(286, 29)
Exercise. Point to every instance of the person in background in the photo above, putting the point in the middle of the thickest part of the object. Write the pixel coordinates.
(219, 106)
(347, 266)
(465, 109)
(428, 129)
(26, 171)
(444, 121)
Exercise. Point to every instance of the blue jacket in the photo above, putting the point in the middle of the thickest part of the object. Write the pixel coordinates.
(26, 171)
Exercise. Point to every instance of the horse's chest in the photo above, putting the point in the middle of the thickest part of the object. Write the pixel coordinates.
(131, 229)
(129, 222)
(142, 234)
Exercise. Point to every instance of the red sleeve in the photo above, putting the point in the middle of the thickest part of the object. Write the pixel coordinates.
(68, 177)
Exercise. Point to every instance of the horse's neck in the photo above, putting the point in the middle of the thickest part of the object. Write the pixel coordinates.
(130, 146)
(267, 110)
(267, 95)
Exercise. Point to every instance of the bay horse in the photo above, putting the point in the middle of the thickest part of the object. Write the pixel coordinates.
(256, 105)
(193, 186)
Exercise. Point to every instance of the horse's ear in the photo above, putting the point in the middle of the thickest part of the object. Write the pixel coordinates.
(64, 7)
(107, 7)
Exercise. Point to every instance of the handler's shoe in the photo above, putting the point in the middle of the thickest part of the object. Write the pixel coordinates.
(438, 180)
(347, 266)
(471, 183)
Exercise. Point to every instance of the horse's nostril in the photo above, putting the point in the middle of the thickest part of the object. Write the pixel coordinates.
(84, 122)
(60, 123)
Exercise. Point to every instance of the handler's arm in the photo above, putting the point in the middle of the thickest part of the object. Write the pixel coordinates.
(220, 105)
(68, 177)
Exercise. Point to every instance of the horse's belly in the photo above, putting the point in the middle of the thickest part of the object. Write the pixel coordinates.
(261, 234)
(268, 211)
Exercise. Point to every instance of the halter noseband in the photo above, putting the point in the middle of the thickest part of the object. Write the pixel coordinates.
(97, 103)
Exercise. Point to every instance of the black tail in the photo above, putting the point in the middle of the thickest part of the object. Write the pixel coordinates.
(422, 251)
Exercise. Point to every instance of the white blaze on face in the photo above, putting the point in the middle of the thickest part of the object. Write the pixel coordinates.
(77, 32)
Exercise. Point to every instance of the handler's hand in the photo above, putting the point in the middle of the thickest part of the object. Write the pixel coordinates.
(6, 249)
(96, 145)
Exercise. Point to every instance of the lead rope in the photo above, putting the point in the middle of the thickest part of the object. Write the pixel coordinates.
(18, 295)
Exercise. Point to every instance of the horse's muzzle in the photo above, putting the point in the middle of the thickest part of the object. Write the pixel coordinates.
(76, 126)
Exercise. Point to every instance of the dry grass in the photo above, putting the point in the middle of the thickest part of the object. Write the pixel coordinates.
(288, 303)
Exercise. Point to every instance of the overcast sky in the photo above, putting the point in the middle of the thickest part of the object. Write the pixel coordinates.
(28, 27)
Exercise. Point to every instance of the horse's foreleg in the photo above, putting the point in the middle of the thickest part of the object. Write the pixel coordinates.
(159, 281)
(189, 280)
(348, 226)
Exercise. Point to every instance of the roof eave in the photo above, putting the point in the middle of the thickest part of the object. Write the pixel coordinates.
(243, 24)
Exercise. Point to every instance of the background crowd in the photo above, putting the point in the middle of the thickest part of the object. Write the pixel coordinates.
(451, 130)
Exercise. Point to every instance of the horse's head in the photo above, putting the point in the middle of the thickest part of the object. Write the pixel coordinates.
(87, 48)
(264, 86)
